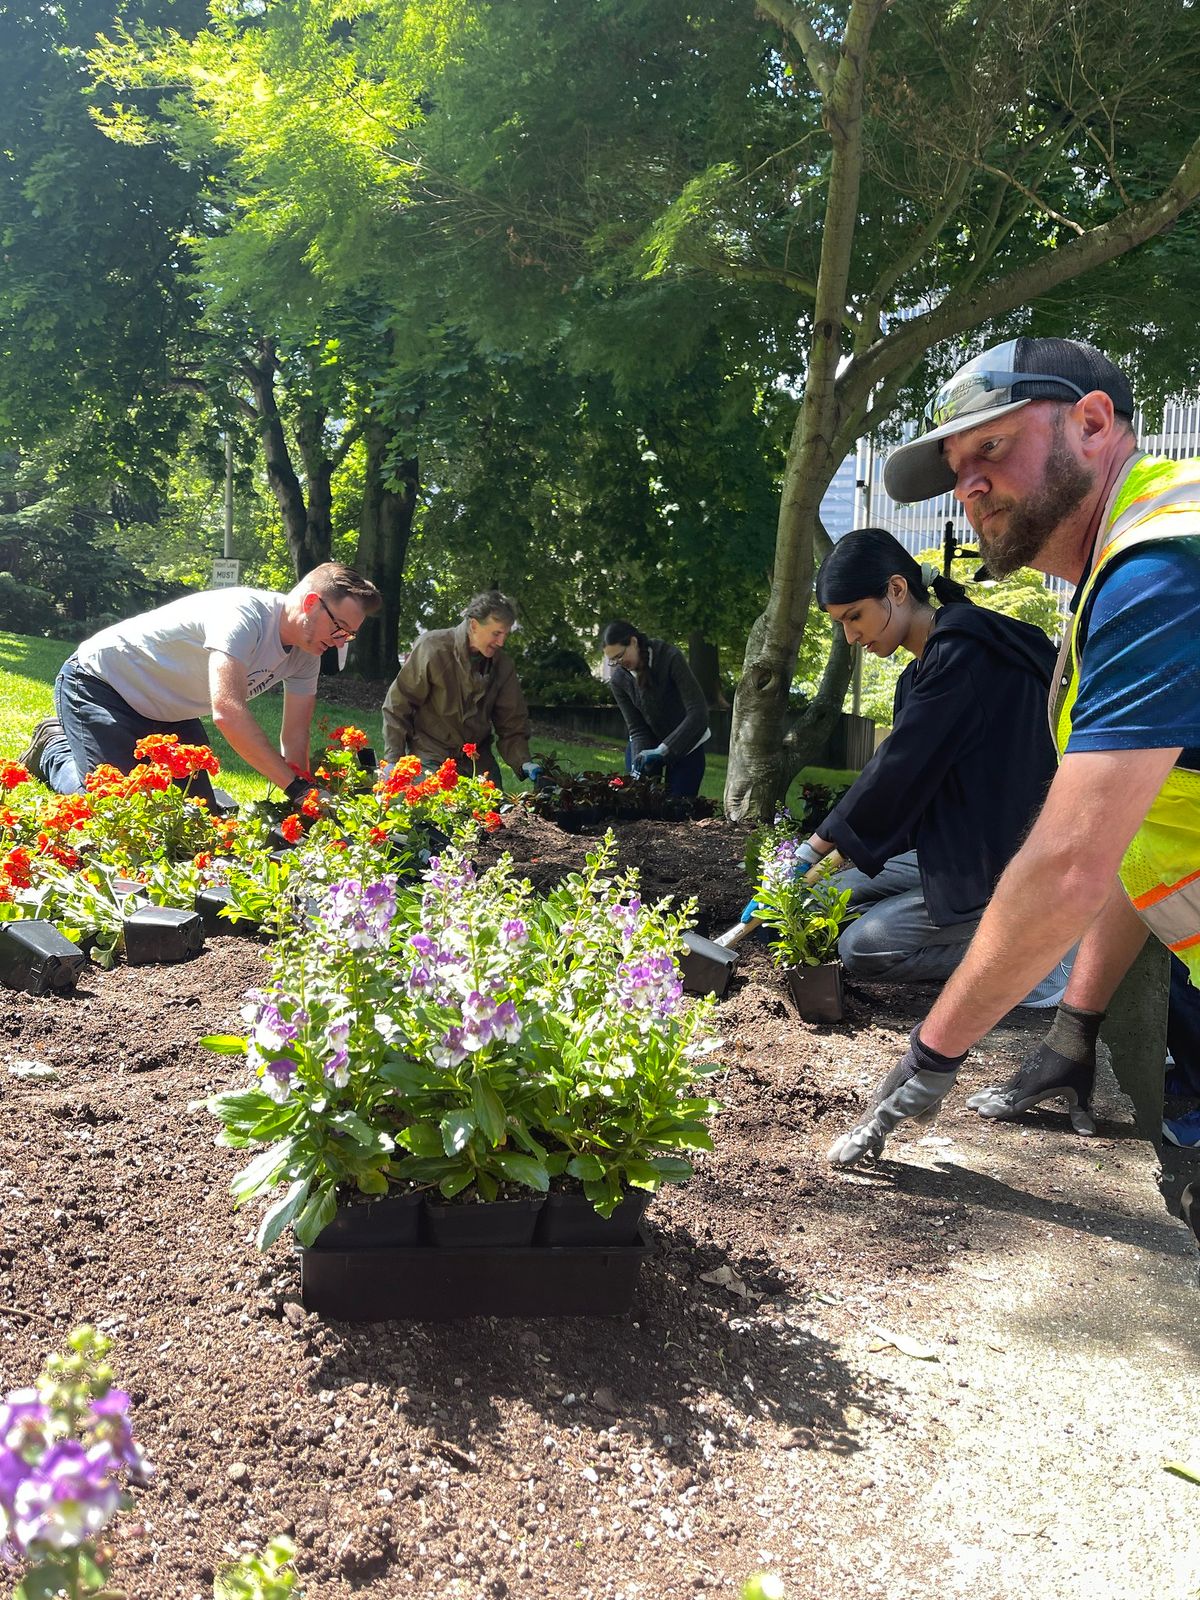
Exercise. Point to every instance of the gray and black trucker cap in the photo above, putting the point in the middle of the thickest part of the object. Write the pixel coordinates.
(1000, 380)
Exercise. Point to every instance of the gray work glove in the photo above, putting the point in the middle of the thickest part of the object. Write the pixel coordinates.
(1062, 1067)
(913, 1091)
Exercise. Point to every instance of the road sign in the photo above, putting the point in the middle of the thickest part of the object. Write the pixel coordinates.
(226, 572)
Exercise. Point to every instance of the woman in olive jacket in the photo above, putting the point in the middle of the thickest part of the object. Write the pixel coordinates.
(663, 706)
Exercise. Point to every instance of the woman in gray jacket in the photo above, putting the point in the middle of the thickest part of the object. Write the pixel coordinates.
(663, 706)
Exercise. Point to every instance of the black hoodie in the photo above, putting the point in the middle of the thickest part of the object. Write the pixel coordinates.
(966, 766)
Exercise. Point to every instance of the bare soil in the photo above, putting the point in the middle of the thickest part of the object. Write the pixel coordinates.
(730, 1422)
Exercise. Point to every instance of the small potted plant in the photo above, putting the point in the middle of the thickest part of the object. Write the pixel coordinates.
(806, 919)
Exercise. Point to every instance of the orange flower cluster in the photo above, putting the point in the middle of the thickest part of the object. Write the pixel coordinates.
(310, 806)
(13, 774)
(65, 813)
(350, 737)
(405, 772)
(292, 829)
(180, 760)
(490, 819)
(106, 780)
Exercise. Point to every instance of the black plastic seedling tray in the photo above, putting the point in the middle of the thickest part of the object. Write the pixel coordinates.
(418, 1283)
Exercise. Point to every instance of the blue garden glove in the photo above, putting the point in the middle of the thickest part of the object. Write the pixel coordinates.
(648, 762)
(751, 911)
(531, 770)
(913, 1091)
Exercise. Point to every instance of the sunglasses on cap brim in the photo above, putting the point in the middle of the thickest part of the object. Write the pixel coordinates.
(969, 392)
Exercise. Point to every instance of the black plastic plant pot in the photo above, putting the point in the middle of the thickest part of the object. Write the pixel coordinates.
(817, 991)
(707, 966)
(223, 802)
(390, 1221)
(161, 934)
(367, 759)
(569, 1218)
(209, 904)
(442, 1285)
(475, 1224)
(35, 957)
(129, 886)
(279, 842)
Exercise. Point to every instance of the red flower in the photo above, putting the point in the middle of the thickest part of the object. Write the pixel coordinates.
(292, 829)
(378, 835)
(470, 751)
(447, 775)
(492, 821)
(310, 806)
(616, 783)
(16, 867)
(350, 738)
(204, 859)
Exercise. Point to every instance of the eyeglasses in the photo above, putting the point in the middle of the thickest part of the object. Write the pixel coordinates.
(340, 629)
(983, 391)
(619, 658)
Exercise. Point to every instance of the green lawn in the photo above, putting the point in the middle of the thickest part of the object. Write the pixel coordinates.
(28, 668)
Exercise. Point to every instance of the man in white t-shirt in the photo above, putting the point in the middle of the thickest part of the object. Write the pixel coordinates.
(207, 654)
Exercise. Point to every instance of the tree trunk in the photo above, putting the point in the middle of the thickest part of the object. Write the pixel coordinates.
(387, 518)
(281, 474)
(317, 545)
(758, 762)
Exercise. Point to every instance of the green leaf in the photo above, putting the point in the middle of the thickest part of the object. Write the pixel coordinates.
(262, 1171)
(361, 1132)
(422, 1138)
(225, 1044)
(282, 1213)
(317, 1214)
(456, 1130)
(455, 1182)
(488, 1110)
(672, 1169)
(523, 1169)
(1182, 1470)
(587, 1168)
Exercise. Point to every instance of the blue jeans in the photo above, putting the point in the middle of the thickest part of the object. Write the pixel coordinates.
(894, 941)
(101, 727)
(685, 774)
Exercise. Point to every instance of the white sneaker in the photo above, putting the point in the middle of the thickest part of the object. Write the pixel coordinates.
(1053, 986)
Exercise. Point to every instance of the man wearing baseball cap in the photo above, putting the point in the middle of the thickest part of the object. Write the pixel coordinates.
(1035, 439)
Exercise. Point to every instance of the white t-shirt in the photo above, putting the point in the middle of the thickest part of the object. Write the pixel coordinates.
(158, 661)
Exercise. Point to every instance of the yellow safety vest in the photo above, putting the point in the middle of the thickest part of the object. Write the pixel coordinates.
(1159, 499)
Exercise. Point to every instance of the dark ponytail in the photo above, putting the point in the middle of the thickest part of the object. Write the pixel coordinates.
(861, 563)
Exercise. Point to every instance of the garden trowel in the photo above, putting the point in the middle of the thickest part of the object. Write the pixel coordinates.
(708, 964)
(732, 937)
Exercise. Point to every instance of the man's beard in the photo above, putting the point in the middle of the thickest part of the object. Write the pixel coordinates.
(1064, 486)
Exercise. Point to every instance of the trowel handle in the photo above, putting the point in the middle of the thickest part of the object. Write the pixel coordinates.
(829, 863)
(732, 937)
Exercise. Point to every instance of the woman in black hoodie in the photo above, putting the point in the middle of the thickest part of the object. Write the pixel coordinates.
(942, 805)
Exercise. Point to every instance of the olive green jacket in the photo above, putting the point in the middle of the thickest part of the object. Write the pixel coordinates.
(444, 697)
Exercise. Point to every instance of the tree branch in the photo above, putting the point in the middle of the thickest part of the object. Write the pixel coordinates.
(820, 60)
(960, 312)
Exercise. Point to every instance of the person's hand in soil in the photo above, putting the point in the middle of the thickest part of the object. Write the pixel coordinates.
(1062, 1067)
(912, 1091)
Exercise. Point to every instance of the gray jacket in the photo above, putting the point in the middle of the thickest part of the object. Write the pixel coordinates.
(663, 703)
